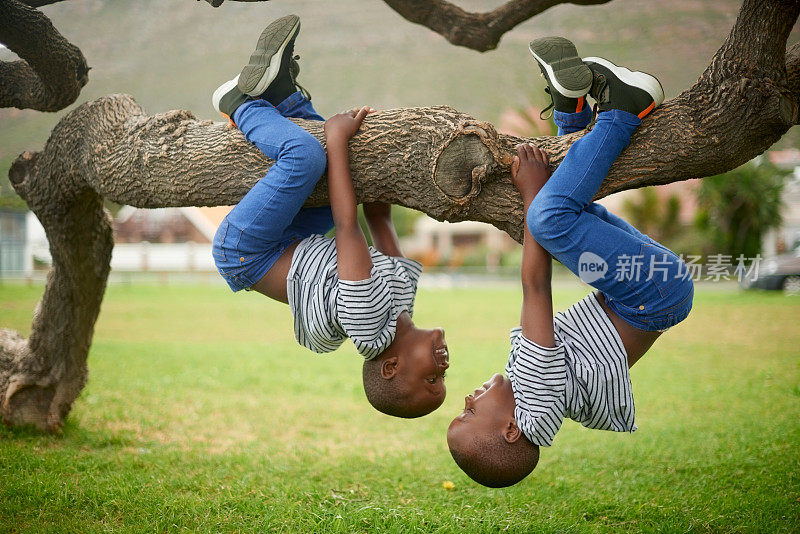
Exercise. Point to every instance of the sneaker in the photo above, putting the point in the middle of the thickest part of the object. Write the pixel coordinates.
(294, 71)
(568, 78)
(269, 63)
(227, 98)
(616, 87)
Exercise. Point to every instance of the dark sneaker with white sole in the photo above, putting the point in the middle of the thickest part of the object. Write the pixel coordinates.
(227, 98)
(568, 78)
(616, 87)
(267, 74)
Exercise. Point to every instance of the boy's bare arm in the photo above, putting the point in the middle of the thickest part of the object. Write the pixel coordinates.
(384, 235)
(353, 258)
(529, 173)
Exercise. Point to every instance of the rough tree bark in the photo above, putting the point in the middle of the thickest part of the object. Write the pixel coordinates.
(436, 160)
(52, 71)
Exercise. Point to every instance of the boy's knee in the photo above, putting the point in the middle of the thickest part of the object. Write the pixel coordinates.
(545, 219)
(307, 153)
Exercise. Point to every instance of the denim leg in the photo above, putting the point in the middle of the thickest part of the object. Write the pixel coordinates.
(576, 180)
(557, 217)
(308, 221)
(572, 122)
(296, 106)
(641, 279)
(271, 205)
(598, 210)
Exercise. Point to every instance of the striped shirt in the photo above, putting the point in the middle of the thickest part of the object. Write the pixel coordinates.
(585, 377)
(328, 310)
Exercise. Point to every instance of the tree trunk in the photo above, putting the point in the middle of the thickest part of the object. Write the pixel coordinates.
(436, 160)
(41, 377)
(52, 71)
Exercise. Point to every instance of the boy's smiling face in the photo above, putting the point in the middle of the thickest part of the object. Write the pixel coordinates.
(424, 360)
(407, 379)
(486, 411)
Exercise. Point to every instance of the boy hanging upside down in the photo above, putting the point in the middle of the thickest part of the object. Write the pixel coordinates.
(575, 365)
(335, 288)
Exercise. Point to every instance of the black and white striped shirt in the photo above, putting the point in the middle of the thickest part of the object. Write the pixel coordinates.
(327, 310)
(585, 377)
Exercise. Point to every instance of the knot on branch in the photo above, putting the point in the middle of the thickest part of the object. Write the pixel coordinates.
(465, 160)
(21, 170)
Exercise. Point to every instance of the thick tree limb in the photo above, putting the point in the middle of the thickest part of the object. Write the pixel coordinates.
(40, 3)
(478, 31)
(52, 71)
(436, 160)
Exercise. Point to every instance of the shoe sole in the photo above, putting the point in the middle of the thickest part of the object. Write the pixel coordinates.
(265, 62)
(565, 70)
(635, 78)
(221, 91)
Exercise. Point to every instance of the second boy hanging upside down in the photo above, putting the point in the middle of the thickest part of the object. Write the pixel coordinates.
(576, 365)
(336, 288)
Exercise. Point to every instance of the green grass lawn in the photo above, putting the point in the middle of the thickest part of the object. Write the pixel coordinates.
(201, 413)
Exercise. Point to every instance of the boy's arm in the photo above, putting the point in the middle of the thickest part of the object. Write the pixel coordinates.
(384, 235)
(529, 173)
(353, 258)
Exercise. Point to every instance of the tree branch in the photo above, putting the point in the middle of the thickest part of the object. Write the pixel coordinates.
(478, 31)
(52, 71)
(217, 3)
(40, 3)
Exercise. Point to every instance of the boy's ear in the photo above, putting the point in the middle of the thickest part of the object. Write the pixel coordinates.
(389, 367)
(512, 432)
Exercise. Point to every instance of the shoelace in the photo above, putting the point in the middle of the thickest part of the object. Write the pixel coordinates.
(598, 91)
(543, 115)
(294, 71)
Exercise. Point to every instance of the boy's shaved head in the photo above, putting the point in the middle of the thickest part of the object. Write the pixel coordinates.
(490, 460)
(407, 379)
(392, 396)
(485, 440)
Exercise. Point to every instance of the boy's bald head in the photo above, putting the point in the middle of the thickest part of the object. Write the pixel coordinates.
(485, 440)
(490, 460)
(394, 396)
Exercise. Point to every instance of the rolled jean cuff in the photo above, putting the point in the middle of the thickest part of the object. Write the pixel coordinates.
(620, 116)
(572, 121)
(291, 102)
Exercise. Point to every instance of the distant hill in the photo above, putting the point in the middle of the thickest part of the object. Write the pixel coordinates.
(173, 53)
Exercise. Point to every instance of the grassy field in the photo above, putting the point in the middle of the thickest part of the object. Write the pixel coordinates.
(201, 413)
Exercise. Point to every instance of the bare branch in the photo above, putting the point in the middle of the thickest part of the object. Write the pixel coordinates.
(52, 71)
(217, 3)
(478, 31)
(40, 3)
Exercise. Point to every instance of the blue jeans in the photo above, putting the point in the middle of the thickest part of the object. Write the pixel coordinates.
(645, 283)
(271, 215)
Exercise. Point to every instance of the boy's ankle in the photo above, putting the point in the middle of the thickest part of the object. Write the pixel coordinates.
(568, 105)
